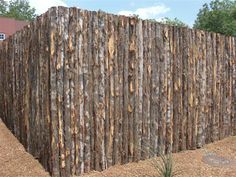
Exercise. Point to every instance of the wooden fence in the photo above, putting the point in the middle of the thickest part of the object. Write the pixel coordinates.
(86, 90)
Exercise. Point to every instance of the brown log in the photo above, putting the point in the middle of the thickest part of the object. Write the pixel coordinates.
(115, 153)
(215, 91)
(95, 151)
(131, 85)
(120, 58)
(177, 87)
(53, 101)
(80, 124)
(139, 90)
(101, 90)
(87, 66)
(72, 44)
(233, 62)
(161, 122)
(145, 144)
(190, 95)
(169, 96)
(111, 88)
(107, 91)
(125, 121)
(222, 89)
(202, 92)
(194, 90)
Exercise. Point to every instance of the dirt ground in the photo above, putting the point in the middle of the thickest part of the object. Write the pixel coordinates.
(14, 160)
(213, 160)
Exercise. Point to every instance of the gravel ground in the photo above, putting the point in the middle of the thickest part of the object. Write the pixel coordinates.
(14, 160)
(213, 160)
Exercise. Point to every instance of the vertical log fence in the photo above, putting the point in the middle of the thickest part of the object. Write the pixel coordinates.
(85, 90)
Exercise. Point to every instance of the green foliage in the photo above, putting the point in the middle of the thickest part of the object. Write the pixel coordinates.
(18, 9)
(164, 167)
(3, 7)
(218, 16)
(174, 22)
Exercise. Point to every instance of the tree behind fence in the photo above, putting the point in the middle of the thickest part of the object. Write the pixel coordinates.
(86, 90)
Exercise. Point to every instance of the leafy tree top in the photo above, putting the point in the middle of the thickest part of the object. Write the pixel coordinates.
(218, 16)
(174, 22)
(18, 9)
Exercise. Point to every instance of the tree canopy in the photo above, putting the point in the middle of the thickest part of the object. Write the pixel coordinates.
(174, 22)
(218, 16)
(18, 9)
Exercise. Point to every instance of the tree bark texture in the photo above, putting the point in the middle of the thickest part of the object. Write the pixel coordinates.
(86, 90)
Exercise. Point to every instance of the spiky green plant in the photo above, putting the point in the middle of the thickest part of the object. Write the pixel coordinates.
(164, 165)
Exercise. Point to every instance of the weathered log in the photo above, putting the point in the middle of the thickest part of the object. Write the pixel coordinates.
(115, 93)
(53, 94)
(169, 96)
(125, 121)
(161, 119)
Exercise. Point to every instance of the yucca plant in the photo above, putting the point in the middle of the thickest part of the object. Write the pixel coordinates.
(164, 165)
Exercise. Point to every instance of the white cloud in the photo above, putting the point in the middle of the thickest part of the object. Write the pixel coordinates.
(148, 12)
(43, 6)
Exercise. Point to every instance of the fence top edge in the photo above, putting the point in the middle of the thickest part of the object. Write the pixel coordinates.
(135, 18)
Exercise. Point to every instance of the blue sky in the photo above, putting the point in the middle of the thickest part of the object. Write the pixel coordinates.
(185, 10)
